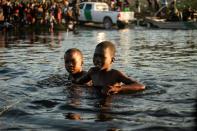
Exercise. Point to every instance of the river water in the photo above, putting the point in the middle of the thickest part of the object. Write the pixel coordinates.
(34, 91)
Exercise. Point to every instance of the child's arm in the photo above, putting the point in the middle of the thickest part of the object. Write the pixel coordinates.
(84, 79)
(125, 88)
(129, 84)
(133, 87)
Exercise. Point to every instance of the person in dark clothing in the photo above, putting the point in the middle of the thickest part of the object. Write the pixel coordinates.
(75, 9)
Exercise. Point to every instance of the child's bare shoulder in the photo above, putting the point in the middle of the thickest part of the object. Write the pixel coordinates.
(92, 70)
(116, 72)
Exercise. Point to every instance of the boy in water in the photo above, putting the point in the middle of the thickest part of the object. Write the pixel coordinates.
(106, 79)
(73, 59)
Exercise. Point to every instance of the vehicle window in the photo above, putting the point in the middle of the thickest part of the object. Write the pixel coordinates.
(88, 7)
(101, 8)
(81, 6)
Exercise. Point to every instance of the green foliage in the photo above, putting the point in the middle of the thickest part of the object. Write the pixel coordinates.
(187, 3)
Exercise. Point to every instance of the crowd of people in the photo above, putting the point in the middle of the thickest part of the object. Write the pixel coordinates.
(20, 13)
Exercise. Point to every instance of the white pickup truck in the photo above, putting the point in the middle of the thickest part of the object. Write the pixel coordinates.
(99, 12)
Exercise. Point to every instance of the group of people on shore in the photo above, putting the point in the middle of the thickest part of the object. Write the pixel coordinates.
(186, 14)
(18, 13)
(119, 5)
(167, 9)
(170, 12)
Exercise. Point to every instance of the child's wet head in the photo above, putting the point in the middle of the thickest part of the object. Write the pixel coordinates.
(107, 45)
(104, 55)
(73, 59)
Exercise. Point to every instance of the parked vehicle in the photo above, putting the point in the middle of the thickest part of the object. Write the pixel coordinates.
(99, 12)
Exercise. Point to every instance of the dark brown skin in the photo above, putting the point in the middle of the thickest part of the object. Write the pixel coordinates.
(109, 80)
(73, 64)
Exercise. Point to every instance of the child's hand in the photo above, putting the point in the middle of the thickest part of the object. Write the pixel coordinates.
(114, 89)
(109, 90)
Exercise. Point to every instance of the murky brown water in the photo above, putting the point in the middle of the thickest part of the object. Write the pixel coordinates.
(34, 94)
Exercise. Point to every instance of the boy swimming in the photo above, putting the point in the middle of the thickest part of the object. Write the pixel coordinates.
(108, 80)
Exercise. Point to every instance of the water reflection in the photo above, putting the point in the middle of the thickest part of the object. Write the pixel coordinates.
(101, 36)
(10, 39)
(75, 95)
(2, 41)
(105, 105)
(55, 43)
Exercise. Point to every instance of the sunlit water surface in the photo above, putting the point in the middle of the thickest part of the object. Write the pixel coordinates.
(34, 94)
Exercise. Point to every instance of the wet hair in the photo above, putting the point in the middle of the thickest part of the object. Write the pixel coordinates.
(107, 44)
(72, 50)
